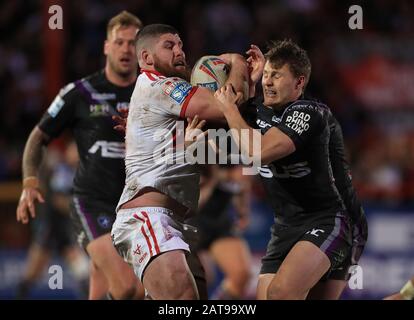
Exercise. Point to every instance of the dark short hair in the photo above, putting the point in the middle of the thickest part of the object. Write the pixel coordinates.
(152, 31)
(283, 52)
(123, 19)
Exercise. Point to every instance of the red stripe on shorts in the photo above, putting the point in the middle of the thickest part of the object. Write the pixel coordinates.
(144, 233)
(136, 217)
(148, 240)
(157, 248)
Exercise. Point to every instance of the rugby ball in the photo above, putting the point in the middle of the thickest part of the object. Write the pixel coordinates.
(210, 72)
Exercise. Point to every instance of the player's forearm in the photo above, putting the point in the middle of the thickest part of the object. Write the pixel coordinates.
(239, 76)
(275, 145)
(252, 90)
(247, 138)
(260, 149)
(33, 153)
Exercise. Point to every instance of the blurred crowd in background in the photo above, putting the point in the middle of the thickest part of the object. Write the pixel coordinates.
(365, 76)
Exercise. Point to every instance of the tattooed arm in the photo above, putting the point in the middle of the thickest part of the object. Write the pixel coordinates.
(32, 158)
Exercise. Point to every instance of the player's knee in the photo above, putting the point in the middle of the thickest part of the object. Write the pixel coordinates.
(240, 277)
(129, 292)
(124, 287)
(179, 285)
(169, 277)
(123, 291)
(279, 291)
(183, 286)
(189, 293)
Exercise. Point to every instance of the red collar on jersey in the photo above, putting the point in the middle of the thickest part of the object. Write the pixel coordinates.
(152, 71)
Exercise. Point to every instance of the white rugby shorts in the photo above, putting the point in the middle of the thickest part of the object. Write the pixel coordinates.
(139, 234)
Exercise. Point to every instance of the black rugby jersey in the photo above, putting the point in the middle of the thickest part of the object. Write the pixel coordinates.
(301, 184)
(86, 106)
(341, 170)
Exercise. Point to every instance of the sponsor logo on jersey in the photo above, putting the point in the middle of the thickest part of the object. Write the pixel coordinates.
(209, 85)
(122, 106)
(168, 87)
(315, 232)
(305, 107)
(298, 121)
(296, 170)
(103, 96)
(109, 149)
(56, 106)
(276, 119)
(177, 90)
(168, 84)
(99, 110)
(58, 102)
(302, 106)
(104, 221)
(263, 124)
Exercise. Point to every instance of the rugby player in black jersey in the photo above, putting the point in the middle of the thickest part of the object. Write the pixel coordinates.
(320, 228)
(86, 107)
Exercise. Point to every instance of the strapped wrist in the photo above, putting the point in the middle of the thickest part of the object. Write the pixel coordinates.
(31, 182)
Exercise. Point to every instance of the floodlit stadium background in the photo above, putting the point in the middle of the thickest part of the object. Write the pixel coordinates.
(366, 77)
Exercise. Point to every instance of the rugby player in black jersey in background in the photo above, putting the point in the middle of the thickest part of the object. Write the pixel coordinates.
(320, 229)
(53, 232)
(86, 107)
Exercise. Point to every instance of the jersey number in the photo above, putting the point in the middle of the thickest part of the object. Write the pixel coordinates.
(109, 149)
(297, 170)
